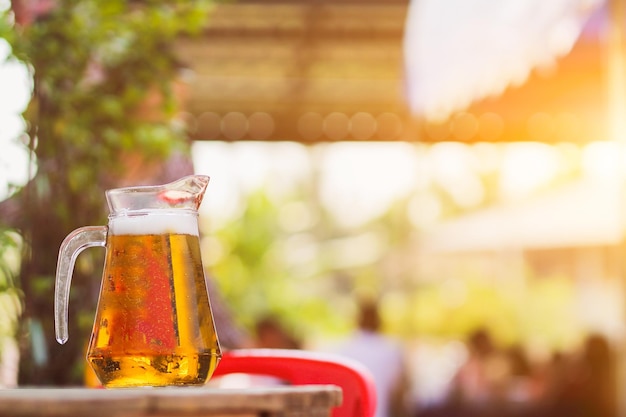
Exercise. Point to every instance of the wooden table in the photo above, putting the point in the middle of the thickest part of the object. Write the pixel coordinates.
(300, 401)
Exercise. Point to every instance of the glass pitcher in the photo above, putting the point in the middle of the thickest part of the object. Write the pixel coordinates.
(153, 324)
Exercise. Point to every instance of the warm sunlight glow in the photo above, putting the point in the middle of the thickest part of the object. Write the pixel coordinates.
(359, 181)
(242, 167)
(463, 52)
(15, 86)
(455, 168)
(604, 160)
(526, 167)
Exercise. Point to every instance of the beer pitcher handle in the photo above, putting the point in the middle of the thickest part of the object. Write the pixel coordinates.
(77, 241)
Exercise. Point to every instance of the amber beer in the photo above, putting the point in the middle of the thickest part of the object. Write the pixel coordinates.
(154, 325)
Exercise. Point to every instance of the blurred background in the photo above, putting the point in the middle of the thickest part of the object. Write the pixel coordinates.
(459, 162)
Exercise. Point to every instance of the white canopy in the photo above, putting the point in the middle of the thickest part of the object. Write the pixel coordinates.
(459, 51)
(584, 213)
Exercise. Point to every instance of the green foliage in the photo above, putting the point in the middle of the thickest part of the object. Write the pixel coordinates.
(93, 64)
(257, 278)
(541, 313)
(316, 296)
(10, 296)
(6, 27)
(103, 88)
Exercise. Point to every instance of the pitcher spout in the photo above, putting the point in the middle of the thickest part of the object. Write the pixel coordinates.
(185, 193)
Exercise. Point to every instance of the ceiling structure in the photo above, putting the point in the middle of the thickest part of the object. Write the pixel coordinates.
(322, 70)
(299, 70)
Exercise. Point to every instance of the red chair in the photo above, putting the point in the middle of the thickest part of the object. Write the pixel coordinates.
(301, 367)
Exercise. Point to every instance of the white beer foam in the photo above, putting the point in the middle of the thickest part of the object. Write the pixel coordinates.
(154, 223)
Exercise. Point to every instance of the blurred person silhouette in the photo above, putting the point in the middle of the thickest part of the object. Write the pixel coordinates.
(562, 386)
(382, 356)
(583, 384)
(524, 384)
(271, 333)
(230, 334)
(520, 371)
(598, 380)
(477, 387)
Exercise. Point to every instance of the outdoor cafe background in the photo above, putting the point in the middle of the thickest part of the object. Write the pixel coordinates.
(496, 202)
